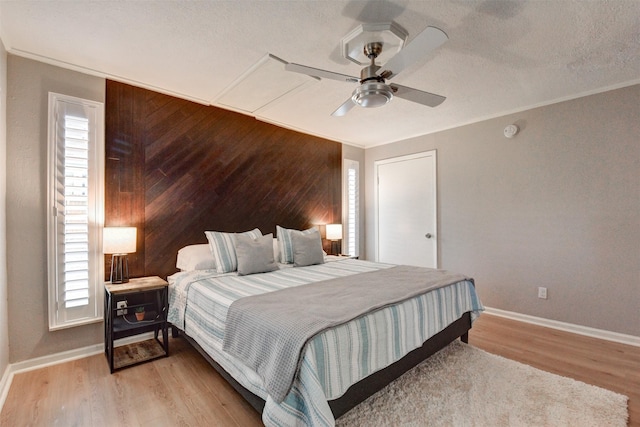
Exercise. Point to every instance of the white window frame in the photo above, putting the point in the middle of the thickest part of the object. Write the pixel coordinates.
(61, 316)
(351, 202)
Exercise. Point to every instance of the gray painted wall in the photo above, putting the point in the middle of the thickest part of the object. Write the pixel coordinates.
(28, 85)
(556, 206)
(4, 317)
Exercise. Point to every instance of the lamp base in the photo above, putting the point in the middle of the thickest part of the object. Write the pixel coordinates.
(335, 247)
(119, 269)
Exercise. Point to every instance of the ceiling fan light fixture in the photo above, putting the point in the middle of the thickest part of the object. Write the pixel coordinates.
(372, 94)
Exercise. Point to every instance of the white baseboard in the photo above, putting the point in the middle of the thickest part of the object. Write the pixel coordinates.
(54, 359)
(567, 327)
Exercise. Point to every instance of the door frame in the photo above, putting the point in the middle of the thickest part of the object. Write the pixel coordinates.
(376, 165)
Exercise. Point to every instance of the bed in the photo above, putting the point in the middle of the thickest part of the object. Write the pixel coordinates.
(339, 366)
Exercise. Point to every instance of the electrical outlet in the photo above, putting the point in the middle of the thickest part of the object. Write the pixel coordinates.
(119, 305)
(542, 292)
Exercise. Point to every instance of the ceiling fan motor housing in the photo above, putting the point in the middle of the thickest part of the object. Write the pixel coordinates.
(372, 94)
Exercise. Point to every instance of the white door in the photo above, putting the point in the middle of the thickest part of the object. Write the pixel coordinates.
(406, 221)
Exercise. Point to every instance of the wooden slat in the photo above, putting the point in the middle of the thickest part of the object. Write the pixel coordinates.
(124, 168)
(176, 169)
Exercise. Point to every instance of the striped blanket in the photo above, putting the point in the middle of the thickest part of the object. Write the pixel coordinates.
(335, 358)
(269, 331)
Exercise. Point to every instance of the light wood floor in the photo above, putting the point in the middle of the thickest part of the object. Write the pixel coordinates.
(184, 390)
(601, 363)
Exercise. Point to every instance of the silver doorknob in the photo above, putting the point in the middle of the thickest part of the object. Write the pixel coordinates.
(428, 235)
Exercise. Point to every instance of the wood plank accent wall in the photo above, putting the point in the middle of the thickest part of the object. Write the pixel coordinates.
(176, 168)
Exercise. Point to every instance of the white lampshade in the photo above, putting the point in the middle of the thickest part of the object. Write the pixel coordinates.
(119, 240)
(334, 231)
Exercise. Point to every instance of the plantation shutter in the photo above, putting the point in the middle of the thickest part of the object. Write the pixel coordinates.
(352, 211)
(77, 166)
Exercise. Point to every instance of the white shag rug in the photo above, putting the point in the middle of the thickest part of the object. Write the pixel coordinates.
(465, 386)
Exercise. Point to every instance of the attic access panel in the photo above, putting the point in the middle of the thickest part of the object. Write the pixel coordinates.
(264, 83)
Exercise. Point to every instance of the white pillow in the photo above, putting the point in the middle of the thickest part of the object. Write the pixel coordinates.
(195, 257)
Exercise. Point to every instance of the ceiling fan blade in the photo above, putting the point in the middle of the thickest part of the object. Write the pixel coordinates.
(344, 108)
(418, 96)
(315, 72)
(428, 40)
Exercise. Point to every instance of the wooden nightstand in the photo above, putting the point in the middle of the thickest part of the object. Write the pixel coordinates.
(152, 294)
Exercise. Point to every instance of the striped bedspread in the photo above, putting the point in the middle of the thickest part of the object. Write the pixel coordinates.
(334, 359)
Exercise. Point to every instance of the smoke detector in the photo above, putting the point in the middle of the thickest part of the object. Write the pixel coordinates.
(511, 130)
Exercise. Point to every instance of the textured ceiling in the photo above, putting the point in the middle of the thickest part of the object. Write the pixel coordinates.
(501, 57)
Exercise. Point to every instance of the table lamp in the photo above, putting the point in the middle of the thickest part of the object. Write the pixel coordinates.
(334, 233)
(119, 241)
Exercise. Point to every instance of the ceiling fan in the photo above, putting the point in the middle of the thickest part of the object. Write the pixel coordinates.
(373, 91)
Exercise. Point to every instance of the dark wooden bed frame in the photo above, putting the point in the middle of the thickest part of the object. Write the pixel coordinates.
(368, 386)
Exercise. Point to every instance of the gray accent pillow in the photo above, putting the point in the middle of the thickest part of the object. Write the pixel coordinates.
(307, 248)
(255, 255)
(284, 242)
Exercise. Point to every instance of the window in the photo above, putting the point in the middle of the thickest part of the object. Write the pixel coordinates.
(351, 191)
(76, 203)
